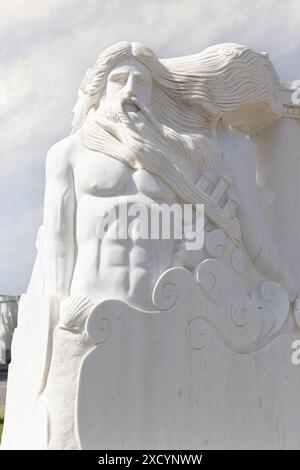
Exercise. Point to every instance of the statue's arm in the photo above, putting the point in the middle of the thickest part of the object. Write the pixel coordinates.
(59, 227)
(257, 238)
(240, 165)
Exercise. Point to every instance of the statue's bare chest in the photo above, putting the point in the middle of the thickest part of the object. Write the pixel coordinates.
(102, 176)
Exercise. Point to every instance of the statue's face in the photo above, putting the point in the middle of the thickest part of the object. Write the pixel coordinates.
(129, 79)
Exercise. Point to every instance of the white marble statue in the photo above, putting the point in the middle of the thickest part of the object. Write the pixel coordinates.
(8, 323)
(142, 342)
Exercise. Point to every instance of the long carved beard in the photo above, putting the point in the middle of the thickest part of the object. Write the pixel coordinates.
(140, 141)
(140, 132)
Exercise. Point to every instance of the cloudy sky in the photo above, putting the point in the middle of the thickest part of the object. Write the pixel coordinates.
(46, 46)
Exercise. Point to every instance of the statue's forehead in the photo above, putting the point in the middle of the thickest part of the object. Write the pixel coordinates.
(131, 64)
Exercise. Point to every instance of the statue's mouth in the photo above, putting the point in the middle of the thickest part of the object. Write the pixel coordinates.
(130, 106)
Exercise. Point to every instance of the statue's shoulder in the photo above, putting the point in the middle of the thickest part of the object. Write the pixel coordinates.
(64, 147)
(59, 157)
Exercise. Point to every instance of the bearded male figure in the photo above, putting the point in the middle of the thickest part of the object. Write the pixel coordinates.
(144, 132)
(120, 150)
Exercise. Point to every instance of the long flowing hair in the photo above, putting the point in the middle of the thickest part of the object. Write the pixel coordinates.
(191, 91)
(189, 95)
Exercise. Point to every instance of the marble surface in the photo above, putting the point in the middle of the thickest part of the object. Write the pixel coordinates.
(145, 343)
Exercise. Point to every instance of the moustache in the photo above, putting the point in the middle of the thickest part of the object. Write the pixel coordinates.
(116, 111)
(132, 100)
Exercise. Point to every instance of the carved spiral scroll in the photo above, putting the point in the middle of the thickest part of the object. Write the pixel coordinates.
(215, 243)
(206, 274)
(241, 311)
(270, 291)
(166, 295)
(99, 328)
(277, 301)
(195, 335)
(171, 284)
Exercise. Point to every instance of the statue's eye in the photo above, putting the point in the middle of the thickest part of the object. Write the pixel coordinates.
(118, 79)
(140, 80)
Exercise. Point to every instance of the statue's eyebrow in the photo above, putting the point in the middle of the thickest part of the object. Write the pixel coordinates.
(117, 73)
(123, 71)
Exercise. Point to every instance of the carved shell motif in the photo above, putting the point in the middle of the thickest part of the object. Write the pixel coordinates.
(74, 309)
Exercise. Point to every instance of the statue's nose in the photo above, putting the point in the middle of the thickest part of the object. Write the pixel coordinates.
(129, 87)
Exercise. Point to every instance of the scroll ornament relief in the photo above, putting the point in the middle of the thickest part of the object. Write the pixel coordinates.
(126, 146)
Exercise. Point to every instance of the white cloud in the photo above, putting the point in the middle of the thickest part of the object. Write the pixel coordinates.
(15, 12)
(47, 46)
